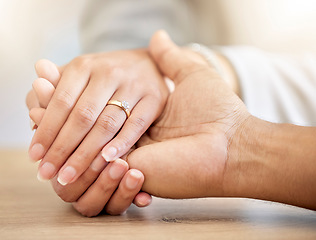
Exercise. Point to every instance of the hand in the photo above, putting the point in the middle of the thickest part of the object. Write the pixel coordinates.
(77, 125)
(207, 144)
(115, 188)
(186, 152)
(118, 193)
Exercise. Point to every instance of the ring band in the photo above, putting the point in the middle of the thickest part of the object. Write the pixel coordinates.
(123, 105)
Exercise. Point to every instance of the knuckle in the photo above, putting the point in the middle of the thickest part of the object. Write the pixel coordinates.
(108, 124)
(138, 124)
(114, 211)
(114, 72)
(85, 210)
(126, 195)
(87, 180)
(49, 135)
(124, 142)
(64, 99)
(86, 114)
(82, 63)
(64, 194)
(106, 187)
(59, 150)
(82, 159)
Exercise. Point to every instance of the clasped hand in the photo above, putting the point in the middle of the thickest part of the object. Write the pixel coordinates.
(183, 154)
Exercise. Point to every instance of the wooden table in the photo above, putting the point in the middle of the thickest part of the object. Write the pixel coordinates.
(30, 210)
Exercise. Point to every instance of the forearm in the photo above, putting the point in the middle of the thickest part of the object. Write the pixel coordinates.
(275, 162)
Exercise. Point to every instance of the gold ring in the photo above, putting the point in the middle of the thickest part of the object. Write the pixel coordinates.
(123, 105)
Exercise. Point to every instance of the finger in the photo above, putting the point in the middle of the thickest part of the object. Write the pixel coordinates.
(36, 115)
(32, 103)
(80, 122)
(142, 199)
(31, 100)
(144, 113)
(106, 127)
(108, 123)
(94, 199)
(44, 91)
(73, 191)
(168, 172)
(172, 60)
(69, 89)
(126, 192)
(48, 70)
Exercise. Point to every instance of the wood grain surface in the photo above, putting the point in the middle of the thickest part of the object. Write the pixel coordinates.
(31, 210)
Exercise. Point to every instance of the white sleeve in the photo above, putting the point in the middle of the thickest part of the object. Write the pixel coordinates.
(125, 24)
(276, 88)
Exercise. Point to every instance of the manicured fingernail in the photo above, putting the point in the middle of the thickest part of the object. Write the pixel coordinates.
(32, 124)
(66, 175)
(133, 179)
(37, 151)
(98, 164)
(46, 171)
(39, 178)
(117, 169)
(109, 154)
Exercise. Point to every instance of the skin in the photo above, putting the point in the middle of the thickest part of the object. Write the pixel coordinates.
(38, 100)
(120, 192)
(222, 150)
(78, 123)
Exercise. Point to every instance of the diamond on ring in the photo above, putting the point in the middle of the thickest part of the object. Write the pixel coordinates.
(121, 104)
(125, 105)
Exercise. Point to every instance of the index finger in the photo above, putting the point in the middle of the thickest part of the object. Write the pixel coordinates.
(70, 87)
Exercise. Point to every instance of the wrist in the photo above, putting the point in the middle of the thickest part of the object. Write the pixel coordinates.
(274, 162)
(245, 166)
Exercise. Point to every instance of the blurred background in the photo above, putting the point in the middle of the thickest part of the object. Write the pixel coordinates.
(59, 31)
(30, 30)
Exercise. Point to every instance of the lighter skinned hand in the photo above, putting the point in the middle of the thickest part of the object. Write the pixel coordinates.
(119, 193)
(78, 123)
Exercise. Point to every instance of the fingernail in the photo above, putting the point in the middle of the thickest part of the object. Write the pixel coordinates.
(32, 124)
(36, 152)
(144, 201)
(39, 178)
(109, 154)
(133, 179)
(117, 169)
(98, 164)
(46, 172)
(66, 175)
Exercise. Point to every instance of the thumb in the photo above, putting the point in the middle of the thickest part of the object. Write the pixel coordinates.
(174, 62)
(166, 169)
